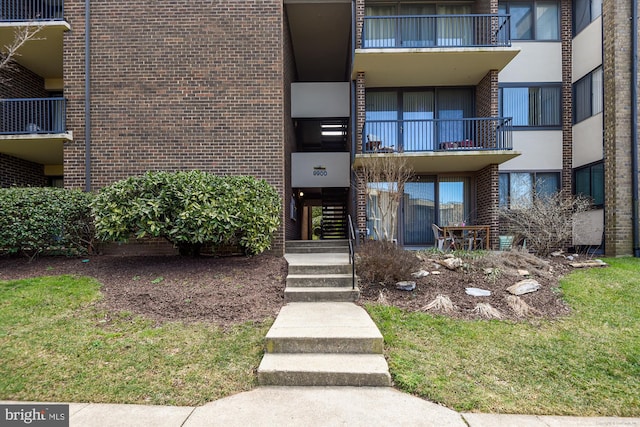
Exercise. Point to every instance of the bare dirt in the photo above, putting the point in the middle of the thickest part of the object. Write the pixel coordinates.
(232, 290)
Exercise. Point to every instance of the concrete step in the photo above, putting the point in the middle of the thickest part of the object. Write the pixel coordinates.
(317, 246)
(319, 280)
(321, 294)
(329, 327)
(319, 268)
(364, 370)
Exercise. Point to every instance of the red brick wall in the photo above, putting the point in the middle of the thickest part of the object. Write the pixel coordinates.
(488, 200)
(21, 173)
(567, 96)
(177, 86)
(19, 82)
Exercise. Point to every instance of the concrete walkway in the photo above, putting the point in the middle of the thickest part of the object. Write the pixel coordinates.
(316, 406)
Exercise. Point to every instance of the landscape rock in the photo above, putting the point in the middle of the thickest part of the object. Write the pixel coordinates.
(524, 287)
(419, 274)
(557, 253)
(451, 263)
(477, 292)
(488, 270)
(406, 285)
(592, 263)
(435, 273)
(523, 273)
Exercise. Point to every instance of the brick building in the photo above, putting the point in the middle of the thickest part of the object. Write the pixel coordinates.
(486, 100)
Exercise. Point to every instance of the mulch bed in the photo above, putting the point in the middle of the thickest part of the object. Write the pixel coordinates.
(236, 289)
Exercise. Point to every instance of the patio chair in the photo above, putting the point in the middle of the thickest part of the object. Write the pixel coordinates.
(440, 239)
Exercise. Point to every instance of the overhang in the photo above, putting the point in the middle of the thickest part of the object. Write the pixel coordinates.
(463, 66)
(46, 149)
(448, 161)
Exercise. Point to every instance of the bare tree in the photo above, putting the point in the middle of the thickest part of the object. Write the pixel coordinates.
(9, 52)
(544, 221)
(384, 177)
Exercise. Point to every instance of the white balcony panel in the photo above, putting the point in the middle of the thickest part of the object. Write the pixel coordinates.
(318, 100)
(320, 170)
(587, 141)
(588, 227)
(541, 150)
(587, 54)
(538, 62)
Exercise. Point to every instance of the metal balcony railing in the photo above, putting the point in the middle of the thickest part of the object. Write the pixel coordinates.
(25, 116)
(31, 10)
(388, 136)
(425, 31)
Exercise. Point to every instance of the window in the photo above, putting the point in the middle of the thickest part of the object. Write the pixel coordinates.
(587, 96)
(517, 189)
(533, 20)
(585, 12)
(404, 119)
(589, 182)
(413, 25)
(534, 106)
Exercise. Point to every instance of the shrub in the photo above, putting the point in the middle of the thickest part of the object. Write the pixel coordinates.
(50, 221)
(190, 209)
(384, 262)
(545, 223)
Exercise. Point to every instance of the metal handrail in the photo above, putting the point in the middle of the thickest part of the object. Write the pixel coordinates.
(429, 31)
(484, 133)
(31, 10)
(352, 252)
(22, 116)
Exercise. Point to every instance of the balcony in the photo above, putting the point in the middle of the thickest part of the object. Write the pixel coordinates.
(432, 50)
(34, 129)
(441, 145)
(43, 53)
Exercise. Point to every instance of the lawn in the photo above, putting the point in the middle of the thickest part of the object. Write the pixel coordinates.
(57, 345)
(587, 363)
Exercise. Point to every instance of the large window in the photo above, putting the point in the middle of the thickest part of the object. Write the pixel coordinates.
(589, 182)
(517, 189)
(404, 25)
(403, 119)
(533, 20)
(534, 106)
(587, 96)
(585, 12)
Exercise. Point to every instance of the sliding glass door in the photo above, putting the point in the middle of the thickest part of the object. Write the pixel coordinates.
(419, 211)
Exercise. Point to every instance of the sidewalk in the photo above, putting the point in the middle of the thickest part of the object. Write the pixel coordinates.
(316, 406)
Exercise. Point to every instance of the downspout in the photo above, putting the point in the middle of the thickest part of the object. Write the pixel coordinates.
(87, 96)
(634, 125)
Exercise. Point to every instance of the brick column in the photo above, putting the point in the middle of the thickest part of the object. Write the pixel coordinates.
(567, 95)
(617, 128)
(361, 197)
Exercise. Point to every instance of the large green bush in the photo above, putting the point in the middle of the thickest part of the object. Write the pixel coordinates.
(190, 209)
(49, 221)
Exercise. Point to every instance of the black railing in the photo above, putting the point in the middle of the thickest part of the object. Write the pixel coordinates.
(352, 251)
(32, 116)
(487, 133)
(31, 10)
(424, 31)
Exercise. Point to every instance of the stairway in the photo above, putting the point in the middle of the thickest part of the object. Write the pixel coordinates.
(334, 213)
(320, 337)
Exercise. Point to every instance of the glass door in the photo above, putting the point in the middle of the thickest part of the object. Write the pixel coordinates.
(419, 206)
(417, 116)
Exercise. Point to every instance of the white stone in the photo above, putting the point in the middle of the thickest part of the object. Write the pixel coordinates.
(419, 274)
(435, 273)
(523, 273)
(406, 286)
(488, 270)
(452, 263)
(524, 287)
(477, 292)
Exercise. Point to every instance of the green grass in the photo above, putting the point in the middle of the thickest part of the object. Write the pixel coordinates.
(56, 345)
(585, 364)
